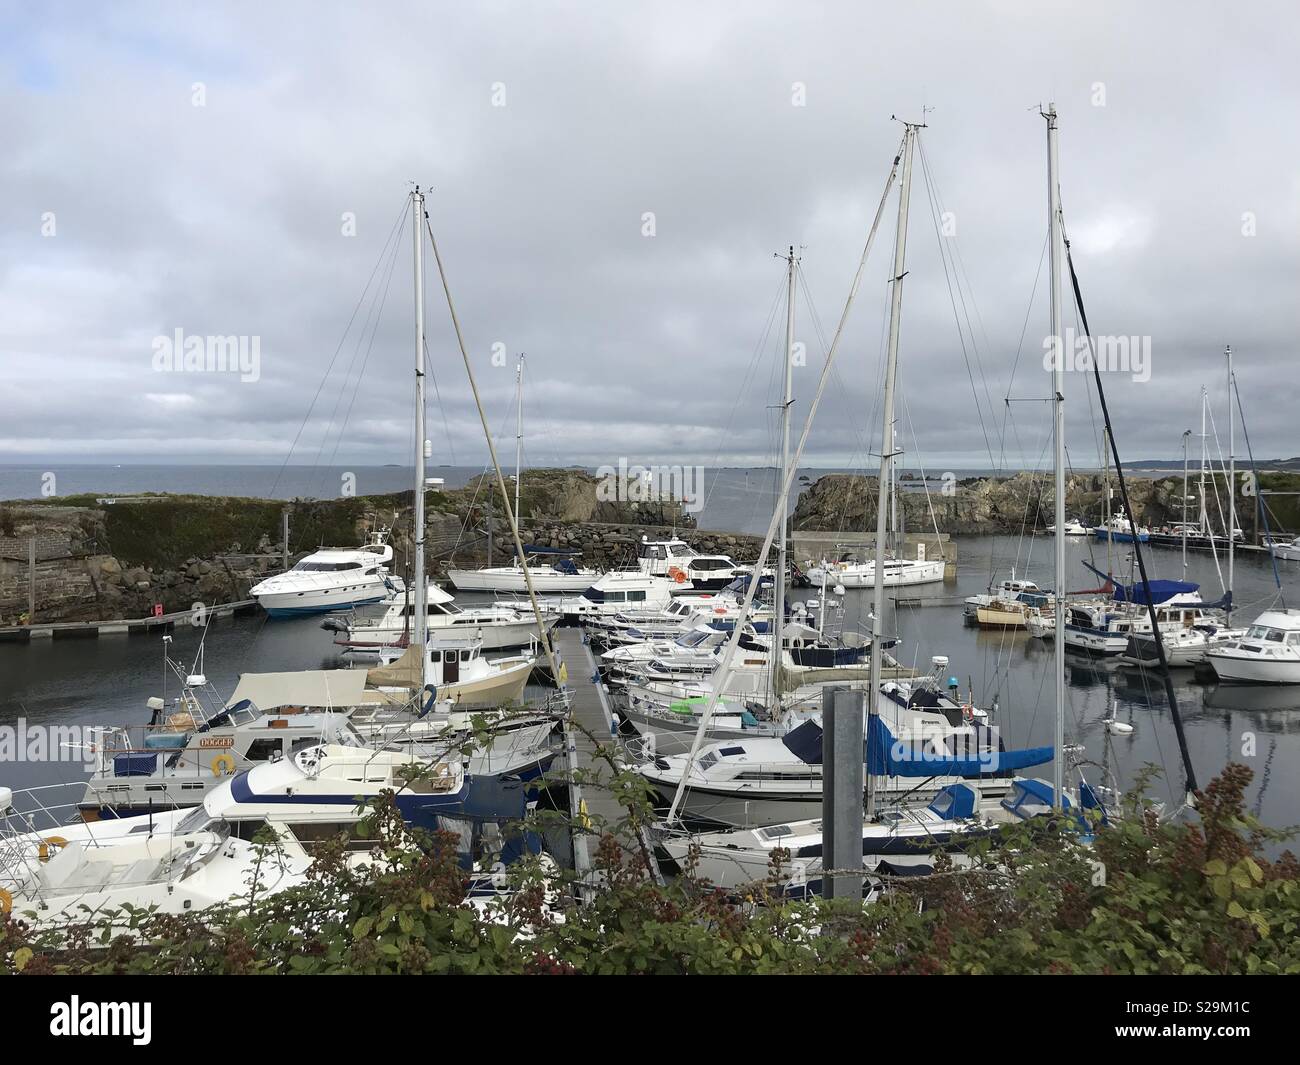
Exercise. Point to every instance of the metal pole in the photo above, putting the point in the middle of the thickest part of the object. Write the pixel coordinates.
(1058, 435)
(420, 628)
(885, 478)
(284, 534)
(842, 781)
(31, 580)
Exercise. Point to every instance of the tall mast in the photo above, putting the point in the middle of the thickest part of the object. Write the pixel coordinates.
(887, 441)
(778, 591)
(1203, 517)
(420, 632)
(519, 428)
(1232, 483)
(1058, 439)
(1186, 434)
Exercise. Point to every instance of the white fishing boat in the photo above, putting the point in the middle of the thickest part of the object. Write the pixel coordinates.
(1009, 588)
(1120, 529)
(333, 578)
(455, 668)
(1269, 653)
(496, 628)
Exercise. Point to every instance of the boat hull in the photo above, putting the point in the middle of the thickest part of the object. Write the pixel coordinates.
(1243, 669)
(545, 582)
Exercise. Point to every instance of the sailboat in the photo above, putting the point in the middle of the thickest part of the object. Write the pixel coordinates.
(553, 570)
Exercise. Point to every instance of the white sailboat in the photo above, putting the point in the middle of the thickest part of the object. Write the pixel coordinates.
(495, 627)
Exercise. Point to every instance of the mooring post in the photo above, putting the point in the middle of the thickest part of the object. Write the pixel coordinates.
(31, 580)
(843, 710)
(284, 534)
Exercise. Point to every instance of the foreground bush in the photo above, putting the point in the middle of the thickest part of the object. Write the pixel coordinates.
(1196, 896)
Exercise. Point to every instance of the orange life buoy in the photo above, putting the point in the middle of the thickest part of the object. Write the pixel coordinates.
(43, 848)
(677, 575)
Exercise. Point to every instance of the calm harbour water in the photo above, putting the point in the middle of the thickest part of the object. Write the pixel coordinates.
(108, 680)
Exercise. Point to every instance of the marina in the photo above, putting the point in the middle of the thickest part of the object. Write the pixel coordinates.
(653, 494)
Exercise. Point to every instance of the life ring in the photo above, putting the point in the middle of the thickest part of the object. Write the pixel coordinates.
(6, 902)
(968, 712)
(223, 765)
(676, 574)
(43, 849)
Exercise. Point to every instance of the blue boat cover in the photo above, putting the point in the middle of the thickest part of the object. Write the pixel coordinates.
(956, 800)
(1160, 591)
(888, 758)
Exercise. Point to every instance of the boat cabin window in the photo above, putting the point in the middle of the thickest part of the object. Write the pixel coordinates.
(325, 567)
(312, 835)
(247, 829)
(636, 597)
(262, 749)
(707, 761)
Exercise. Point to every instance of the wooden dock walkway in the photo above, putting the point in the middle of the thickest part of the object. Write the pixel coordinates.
(591, 724)
(38, 630)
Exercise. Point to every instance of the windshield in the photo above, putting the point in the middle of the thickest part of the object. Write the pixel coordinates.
(194, 821)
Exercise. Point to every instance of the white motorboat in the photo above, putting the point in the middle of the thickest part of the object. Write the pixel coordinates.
(1072, 527)
(613, 593)
(495, 627)
(1287, 549)
(553, 570)
(765, 780)
(903, 840)
(680, 563)
(333, 578)
(1269, 653)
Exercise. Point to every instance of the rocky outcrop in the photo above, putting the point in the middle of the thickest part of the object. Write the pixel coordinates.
(984, 505)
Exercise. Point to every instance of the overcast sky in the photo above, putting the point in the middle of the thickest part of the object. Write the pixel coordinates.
(167, 169)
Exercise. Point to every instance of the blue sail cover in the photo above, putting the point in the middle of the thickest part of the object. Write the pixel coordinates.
(887, 757)
(1161, 591)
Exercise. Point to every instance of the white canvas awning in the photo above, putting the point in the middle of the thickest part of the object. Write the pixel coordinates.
(306, 687)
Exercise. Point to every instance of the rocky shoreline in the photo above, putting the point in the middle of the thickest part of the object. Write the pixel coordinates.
(98, 560)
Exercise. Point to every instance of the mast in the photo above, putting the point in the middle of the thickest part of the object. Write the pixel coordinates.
(1186, 434)
(1058, 435)
(420, 636)
(1232, 485)
(783, 504)
(1203, 517)
(519, 427)
(885, 478)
